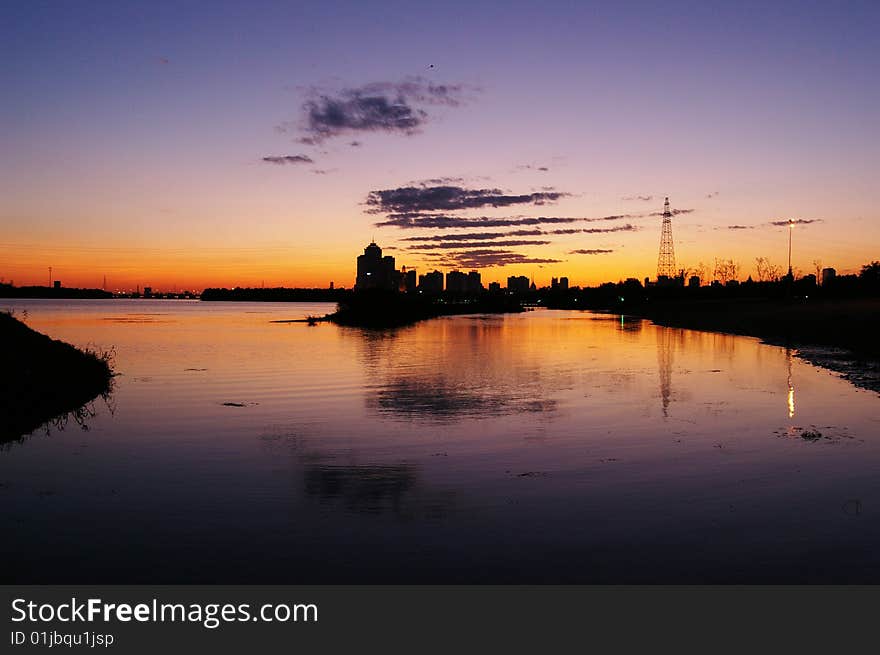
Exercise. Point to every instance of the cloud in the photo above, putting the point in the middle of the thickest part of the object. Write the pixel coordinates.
(411, 199)
(355, 144)
(600, 230)
(674, 212)
(289, 159)
(453, 245)
(530, 167)
(740, 227)
(642, 198)
(484, 258)
(711, 194)
(376, 107)
(797, 221)
(445, 221)
(591, 251)
(323, 171)
(475, 236)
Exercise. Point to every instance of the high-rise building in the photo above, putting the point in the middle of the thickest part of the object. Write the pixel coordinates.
(409, 279)
(828, 275)
(431, 282)
(494, 287)
(375, 271)
(518, 284)
(456, 282)
(563, 283)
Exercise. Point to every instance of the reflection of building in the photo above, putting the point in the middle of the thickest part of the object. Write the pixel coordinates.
(375, 271)
(431, 282)
(518, 284)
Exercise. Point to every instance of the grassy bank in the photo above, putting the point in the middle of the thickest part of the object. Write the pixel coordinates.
(42, 379)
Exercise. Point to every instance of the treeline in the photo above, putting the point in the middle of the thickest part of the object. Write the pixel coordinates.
(633, 294)
(10, 291)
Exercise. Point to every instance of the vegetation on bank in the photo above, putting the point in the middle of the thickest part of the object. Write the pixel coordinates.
(44, 379)
(9, 291)
(382, 309)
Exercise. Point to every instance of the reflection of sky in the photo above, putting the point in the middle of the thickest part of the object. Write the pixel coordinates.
(133, 136)
(325, 474)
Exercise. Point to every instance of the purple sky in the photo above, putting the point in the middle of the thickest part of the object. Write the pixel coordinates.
(198, 144)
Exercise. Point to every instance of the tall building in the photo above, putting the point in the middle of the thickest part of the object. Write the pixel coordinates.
(431, 282)
(474, 282)
(828, 275)
(518, 284)
(375, 271)
(456, 282)
(409, 279)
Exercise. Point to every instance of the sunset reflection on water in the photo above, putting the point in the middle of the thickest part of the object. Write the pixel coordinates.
(534, 447)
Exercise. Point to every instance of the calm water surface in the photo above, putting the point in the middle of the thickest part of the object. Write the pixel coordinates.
(540, 447)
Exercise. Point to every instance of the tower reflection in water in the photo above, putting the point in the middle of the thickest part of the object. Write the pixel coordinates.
(664, 365)
(788, 357)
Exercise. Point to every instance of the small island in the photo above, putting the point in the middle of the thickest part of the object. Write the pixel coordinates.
(43, 379)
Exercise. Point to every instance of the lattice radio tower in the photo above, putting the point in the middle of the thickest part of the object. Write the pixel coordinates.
(666, 260)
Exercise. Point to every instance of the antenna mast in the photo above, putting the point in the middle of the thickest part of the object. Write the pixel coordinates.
(666, 259)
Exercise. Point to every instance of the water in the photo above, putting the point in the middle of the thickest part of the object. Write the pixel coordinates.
(539, 447)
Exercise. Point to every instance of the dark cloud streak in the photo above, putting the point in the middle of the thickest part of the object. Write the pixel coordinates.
(281, 160)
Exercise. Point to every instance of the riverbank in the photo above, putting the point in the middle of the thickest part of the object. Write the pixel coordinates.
(385, 310)
(43, 379)
(838, 334)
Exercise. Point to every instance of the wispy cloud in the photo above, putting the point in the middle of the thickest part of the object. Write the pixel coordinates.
(413, 199)
(473, 236)
(590, 251)
(741, 227)
(642, 198)
(281, 160)
(674, 212)
(484, 258)
(533, 167)
(712, 194)
(397, 107)
(455, 245)
(797, 221)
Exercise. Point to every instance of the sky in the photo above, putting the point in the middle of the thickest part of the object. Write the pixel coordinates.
(192, 144)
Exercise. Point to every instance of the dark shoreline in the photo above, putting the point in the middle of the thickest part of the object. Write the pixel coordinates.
(836, 334)
(45, 380)
(378, 310)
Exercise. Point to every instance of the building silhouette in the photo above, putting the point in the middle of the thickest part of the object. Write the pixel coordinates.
(431, 282)
(456, 282)
(375, 271)
(518, 284)
(828, 275)
(409, 279)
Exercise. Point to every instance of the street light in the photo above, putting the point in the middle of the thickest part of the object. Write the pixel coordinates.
(790, 229)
